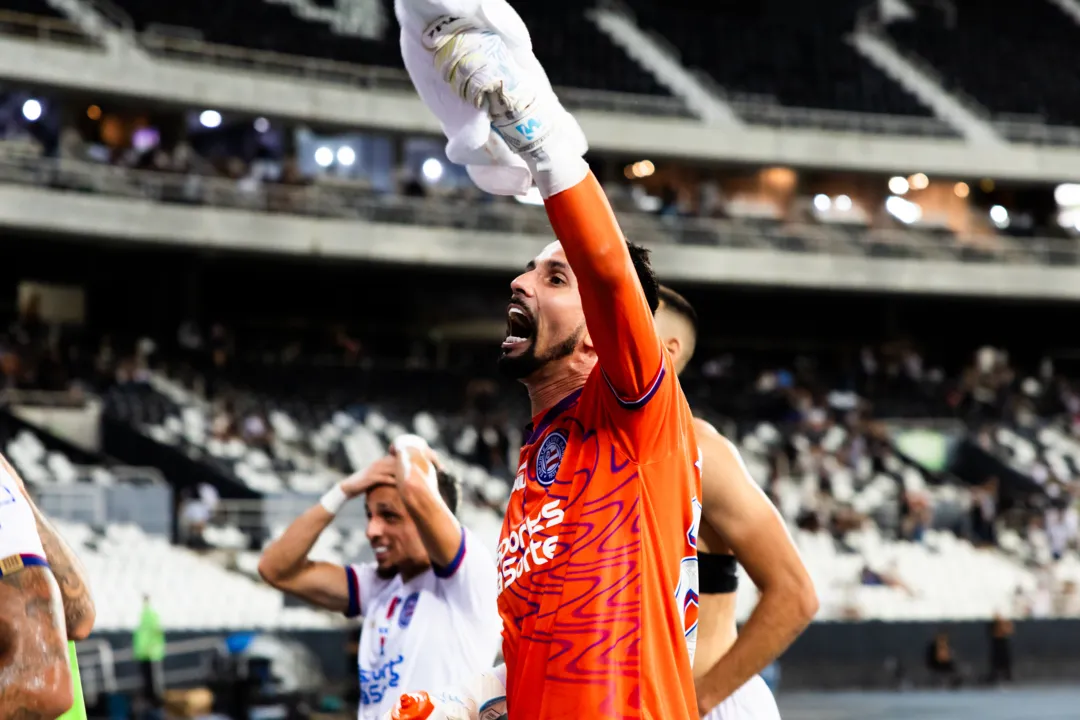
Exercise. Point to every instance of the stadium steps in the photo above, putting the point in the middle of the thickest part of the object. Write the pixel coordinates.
(98, 19)
(363, 20)
(921, 83)
(1069, 7)
(662, 63)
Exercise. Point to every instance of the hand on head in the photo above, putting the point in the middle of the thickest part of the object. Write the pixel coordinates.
(383, 471)
(417, 461)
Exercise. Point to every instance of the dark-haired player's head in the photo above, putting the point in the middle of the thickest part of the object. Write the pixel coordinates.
(545, 319)
(676, 322)
(393, 534)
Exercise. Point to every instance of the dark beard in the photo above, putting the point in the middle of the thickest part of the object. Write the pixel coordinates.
(522, 366)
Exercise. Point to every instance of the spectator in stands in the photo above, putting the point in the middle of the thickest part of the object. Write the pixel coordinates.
(984, 509)
(194, 517)
(941, 662)
(1061, 528)
(1068, 600)
(29, 330)
(223, 425)
(1021, 603)
(257, 432)
(105, 362)
(917, 514)
(351, 349)
(412, 187)
(889, 578)
(1001, 632)
(1042, 600)
(209, 496)
(220, 348)
(148, 647)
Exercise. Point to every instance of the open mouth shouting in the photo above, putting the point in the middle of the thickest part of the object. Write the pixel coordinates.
(520, 329)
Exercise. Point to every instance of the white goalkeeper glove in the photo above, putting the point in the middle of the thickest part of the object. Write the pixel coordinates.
(482, 698)
(472, 64)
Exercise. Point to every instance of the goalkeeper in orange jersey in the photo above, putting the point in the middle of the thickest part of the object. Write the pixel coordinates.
(597, 559)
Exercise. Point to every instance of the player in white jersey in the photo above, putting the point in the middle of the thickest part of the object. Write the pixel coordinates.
(737, 520)
(429, 599)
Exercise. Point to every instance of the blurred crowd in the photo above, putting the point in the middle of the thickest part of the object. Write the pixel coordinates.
(821, 440)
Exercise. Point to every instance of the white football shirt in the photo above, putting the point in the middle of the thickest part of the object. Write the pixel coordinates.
(440, 628)
(20, 544)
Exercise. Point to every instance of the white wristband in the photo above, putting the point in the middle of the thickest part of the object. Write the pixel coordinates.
(334, 499)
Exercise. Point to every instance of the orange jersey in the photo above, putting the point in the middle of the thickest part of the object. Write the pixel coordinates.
(597, 557)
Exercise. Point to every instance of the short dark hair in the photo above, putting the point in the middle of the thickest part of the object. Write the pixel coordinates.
(639, 255)
(449, 489)
(678, 304)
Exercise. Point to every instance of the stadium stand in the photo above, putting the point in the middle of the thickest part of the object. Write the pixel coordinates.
(887, 534)
(578, 55)
(124, 564)
(238, 440)
(806, 62)
(803, 235)
(40, 466)
(261, 25)
(986, 51)
(881, 534)
(32, 7)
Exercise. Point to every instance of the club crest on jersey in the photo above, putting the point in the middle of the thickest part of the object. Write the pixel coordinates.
(407, 610)
(549, 457)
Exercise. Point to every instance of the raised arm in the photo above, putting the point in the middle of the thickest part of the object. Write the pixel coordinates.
(418, 482)
(79, 610)
(285, 563)
(618, 316)
(738, 510)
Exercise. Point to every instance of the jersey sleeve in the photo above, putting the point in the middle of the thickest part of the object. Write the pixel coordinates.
(470, 581)
(364, 584)
(640, 382)
(20, 544)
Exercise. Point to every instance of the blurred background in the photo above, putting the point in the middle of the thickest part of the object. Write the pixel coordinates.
(235, 261)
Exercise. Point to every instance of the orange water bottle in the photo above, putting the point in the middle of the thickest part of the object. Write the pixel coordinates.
(413, 706)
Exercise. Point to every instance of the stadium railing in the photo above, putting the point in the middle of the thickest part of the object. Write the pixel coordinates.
(1037, 133)
(350, 202)
(764, 110)
(756, 110)
(112, 13)
(194, 50)
(45, 29)
(98, 506)
(191, 661)
(259, 517)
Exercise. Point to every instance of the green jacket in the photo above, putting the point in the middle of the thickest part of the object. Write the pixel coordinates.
(149, 640)
(78, 708)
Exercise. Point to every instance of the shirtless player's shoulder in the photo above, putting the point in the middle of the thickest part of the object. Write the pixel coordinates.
(737, 521)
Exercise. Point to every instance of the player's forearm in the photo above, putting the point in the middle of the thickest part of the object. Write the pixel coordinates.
(781, 614)
(287, 556)
(79, 610)
(35, 678)
(586, 226)
(438, 528)
(618, 316)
